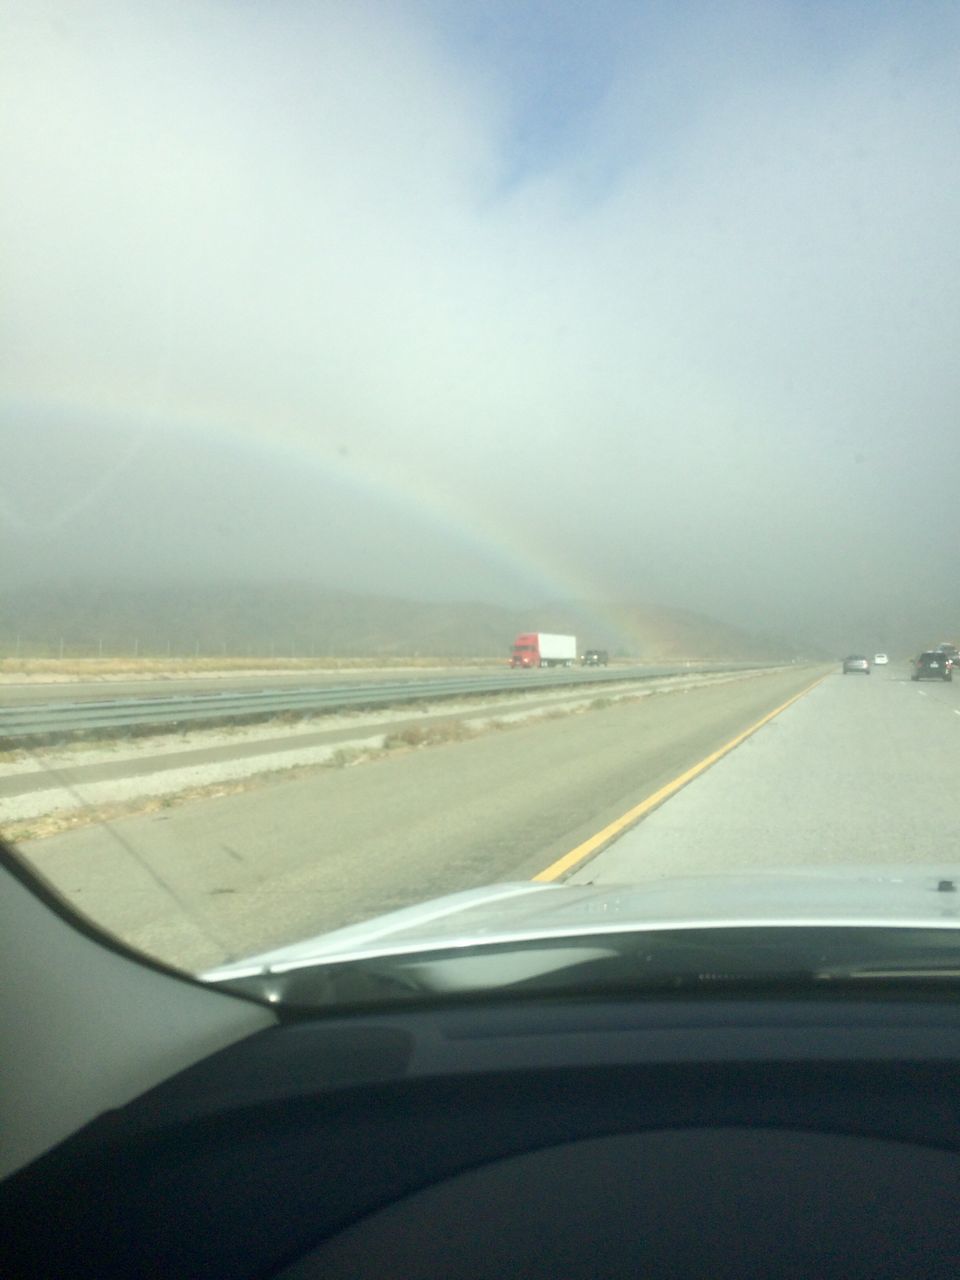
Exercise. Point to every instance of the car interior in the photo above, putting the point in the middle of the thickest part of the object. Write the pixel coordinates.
(154, 1127)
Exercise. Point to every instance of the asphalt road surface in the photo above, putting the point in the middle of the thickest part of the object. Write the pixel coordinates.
(60, 691)
(863, 770)
(32, 693)
(229, 875)
(71, 776)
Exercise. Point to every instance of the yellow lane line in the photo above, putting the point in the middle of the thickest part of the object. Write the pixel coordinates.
(632, 816)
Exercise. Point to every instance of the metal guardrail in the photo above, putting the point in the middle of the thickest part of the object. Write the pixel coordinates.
(128, 714)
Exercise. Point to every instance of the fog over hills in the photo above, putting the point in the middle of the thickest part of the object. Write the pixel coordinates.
(507, 302)
(291, 620)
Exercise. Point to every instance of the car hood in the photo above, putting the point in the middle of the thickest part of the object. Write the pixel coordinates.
(883, 897)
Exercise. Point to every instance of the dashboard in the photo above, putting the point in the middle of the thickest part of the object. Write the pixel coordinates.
(550, 1137)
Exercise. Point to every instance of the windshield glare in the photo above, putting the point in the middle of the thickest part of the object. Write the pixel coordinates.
(448, 449)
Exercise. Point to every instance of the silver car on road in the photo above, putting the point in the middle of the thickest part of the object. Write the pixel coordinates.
(856, 662)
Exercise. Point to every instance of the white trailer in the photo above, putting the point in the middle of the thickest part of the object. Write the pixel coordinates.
(542, 649)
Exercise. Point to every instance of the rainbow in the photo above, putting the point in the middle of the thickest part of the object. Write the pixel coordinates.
(234, 426)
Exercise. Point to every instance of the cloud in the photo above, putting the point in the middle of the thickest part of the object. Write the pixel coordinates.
(669, 298)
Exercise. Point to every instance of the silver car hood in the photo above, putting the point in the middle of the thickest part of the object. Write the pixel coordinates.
(882, 897)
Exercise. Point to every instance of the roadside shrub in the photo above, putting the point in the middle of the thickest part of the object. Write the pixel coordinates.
(428, 735)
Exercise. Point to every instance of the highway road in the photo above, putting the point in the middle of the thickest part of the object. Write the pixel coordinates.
(862, 770)
(857, 770)
(30, 693)
(21, 726)
(107, 772)
(228, 875)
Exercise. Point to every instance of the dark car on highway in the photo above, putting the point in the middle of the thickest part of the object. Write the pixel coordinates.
(856, 662)
(595, 658)
(932, 665)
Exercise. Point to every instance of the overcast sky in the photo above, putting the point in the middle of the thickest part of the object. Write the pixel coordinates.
(502, 300)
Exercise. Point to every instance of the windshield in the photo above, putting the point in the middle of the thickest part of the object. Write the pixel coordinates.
(448, 448)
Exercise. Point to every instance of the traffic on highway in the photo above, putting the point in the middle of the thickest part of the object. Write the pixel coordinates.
(477, 752)
(569, 776)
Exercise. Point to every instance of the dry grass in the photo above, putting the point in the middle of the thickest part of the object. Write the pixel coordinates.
(601, 704)
(53, 824)
(429, 735)
(344, 757)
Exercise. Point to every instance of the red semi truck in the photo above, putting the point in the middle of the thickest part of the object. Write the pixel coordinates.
(539, 649)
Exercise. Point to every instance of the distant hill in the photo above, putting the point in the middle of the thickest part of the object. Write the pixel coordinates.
(244, 620)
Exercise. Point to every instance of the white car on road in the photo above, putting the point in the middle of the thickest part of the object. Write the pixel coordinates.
(880, 659)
